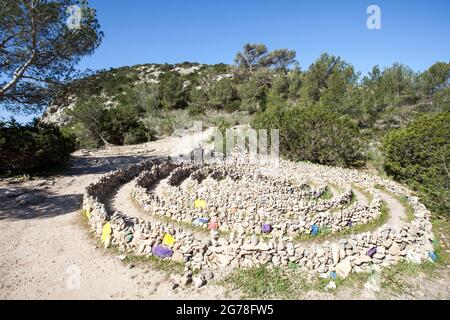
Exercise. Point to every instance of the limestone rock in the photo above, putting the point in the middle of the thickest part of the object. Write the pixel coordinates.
(344, 268)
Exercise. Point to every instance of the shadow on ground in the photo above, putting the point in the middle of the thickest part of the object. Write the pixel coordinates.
(46, 205)
(98, 165)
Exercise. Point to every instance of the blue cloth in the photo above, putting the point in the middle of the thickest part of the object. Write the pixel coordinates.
(200, 221)
(432, 255)
(314, 230)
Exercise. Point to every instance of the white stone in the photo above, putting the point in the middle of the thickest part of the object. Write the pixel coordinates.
(344, 268)
(413, 257)
(362, 259)
(330, 286)
(335, 251)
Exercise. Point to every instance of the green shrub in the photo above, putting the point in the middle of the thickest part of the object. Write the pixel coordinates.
(83, 139)
(419, 155)
(315, 134)
(198, 102)
(223, 95)
(172, 92)
(32, 147)
(94, 125)
(136, 135)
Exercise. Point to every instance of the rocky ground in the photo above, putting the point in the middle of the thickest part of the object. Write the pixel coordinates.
(45, 245)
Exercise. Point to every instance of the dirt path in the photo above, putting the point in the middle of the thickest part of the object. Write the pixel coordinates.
(122, 202)
(397, 212)
(360, 197)
(44, 246)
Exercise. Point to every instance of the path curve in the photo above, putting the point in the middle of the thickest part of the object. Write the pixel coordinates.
(397, 211)
(44, 248)
(122, 201)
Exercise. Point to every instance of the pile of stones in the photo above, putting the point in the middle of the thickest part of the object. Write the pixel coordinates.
(246, 200)
(249, 226)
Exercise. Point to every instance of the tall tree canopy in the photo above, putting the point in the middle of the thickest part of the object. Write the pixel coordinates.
(39, 48)
(327, 80)
(436, 78)
(256, 56)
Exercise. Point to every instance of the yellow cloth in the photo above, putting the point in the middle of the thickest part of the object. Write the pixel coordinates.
(106, 232)
(168, 240)
(199, 203)
(88, 214)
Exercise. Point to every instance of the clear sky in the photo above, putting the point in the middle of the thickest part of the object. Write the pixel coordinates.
(416, 33)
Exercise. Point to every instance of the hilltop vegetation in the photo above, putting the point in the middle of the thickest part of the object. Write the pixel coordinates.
(260, 81)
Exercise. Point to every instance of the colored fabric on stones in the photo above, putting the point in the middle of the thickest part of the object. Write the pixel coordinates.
(372, 252)
(433, 256)
(314, 230)
(213, 226)
(162, 252)
(106, 232)
(200, 221)
(200, 204)
(266, 228)
(168, 240)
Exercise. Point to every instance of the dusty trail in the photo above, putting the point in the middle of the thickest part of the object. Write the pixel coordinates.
(396, 210)
(122, 201)
(44, 246)
(360, 197)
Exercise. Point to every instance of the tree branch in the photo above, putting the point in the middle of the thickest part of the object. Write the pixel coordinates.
(40, 80)
(445, 165)
(6, 39)
(19, 72)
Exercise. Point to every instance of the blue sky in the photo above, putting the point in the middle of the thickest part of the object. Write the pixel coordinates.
(415, 33)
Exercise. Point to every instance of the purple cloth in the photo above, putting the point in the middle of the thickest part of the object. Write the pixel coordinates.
(266, 228)
(162, 252)
(372, 251)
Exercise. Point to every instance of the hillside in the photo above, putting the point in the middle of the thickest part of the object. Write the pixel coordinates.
(114, 83)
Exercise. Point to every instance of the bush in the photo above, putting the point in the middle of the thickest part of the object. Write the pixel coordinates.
(136, 135)
(315, 135)
(89, 120)
(198, 102)
(32, 147)
(173, 95)
(83, 139)
(222, 95)
(94, 124)
(419, 155)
